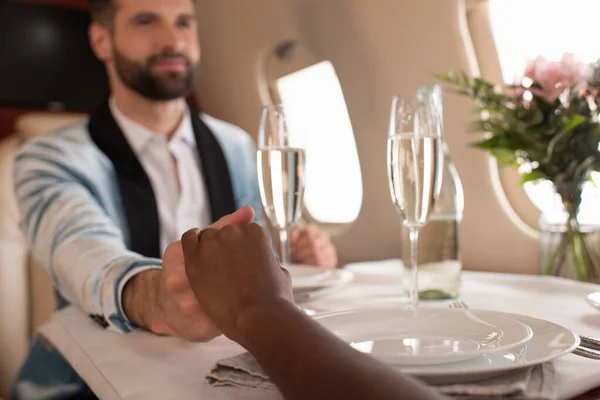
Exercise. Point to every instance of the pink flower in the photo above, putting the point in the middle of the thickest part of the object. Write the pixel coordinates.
(531, 71)
(574, 71)
(555, 77)
(583, 90)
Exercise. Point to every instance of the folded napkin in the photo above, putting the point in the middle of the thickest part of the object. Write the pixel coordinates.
(531, 383)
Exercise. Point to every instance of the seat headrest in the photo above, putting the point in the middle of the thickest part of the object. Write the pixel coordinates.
(35, 124)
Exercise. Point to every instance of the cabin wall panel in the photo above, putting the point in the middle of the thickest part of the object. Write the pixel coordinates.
(378, 48)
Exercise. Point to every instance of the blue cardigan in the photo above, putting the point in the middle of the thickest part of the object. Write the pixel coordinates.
(90, 218)
(74, 214)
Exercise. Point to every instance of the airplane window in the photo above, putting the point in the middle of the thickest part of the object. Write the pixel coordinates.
(314, 104)
(524, 29)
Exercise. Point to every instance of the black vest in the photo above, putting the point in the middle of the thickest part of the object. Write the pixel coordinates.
(137, 195)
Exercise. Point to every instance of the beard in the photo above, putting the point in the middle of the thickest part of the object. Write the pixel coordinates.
(140, 78)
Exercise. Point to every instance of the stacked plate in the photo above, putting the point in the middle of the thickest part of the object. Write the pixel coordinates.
(310, 283)
(451, 345)
(593, 300)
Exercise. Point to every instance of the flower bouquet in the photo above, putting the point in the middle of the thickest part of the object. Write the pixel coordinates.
(547, 126)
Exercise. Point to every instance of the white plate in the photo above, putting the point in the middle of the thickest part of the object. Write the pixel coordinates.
(594, 300)
(338, 280)
(548, 342)
(307, 275)
(377, 271)
(426, 336)
(309, 279)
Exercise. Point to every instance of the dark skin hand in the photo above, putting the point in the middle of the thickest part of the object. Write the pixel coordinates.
(241, 287)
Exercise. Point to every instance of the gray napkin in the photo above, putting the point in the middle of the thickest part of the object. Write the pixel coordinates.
(532, 383)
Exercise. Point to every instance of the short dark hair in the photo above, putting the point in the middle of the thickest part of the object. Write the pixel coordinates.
(102, 11)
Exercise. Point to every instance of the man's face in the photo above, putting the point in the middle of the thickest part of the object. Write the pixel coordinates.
(155, 48)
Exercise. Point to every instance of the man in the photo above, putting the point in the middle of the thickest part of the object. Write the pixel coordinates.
(101, 201)
(249, 298)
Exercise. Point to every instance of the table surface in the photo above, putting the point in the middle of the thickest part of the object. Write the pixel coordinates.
(144, 366)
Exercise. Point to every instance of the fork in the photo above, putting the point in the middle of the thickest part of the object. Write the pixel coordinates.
(588, 347)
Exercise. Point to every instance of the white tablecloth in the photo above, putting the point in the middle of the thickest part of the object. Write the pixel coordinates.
(144, 366)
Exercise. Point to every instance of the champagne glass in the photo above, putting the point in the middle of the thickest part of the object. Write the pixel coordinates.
(414, 160)
(281, 172)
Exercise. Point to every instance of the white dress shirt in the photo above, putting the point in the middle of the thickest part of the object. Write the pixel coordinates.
(174, 169)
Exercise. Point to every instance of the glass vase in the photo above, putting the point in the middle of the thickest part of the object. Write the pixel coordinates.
(570, 248)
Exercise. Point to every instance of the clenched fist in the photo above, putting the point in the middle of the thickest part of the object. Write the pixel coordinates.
(232, 271)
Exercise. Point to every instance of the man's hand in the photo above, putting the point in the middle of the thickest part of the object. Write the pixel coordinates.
(162, 300)
(312, 246)
(232, 272)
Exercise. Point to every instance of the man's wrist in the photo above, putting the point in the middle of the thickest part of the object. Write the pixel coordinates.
(139, 299)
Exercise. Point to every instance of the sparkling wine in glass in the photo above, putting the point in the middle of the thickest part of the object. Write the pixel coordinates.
(414, 160)
(281, 173)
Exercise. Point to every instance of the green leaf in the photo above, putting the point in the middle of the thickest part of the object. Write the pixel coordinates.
(573, 123)
(517, 125)
(466, 81)
(491, 108)
(444, 76)
(531, 177)
(495, 142)
(451, 77)
(504, 157)
(537, 118)
(486, 125)
(484, 84)
(570, 125)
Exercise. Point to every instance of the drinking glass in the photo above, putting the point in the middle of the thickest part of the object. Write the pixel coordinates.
(414, 161)
(281, 174)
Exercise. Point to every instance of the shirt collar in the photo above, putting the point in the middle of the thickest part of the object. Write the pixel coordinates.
(139, 137)
(185, 131)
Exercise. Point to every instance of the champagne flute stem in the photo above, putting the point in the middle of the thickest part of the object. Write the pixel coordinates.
(414, 255)
(284, 249)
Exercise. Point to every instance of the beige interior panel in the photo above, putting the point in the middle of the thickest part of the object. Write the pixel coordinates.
(484, 46)
(26, 295)
(42, 298)
(14, 302)
(378, 47)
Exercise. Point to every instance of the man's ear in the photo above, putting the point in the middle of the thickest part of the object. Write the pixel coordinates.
(100, 41)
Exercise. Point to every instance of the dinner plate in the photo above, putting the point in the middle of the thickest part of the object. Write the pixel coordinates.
(593, 300)
(548, 341)
(338, 279)
(309, 279)
(426, 336)
(307, 275)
